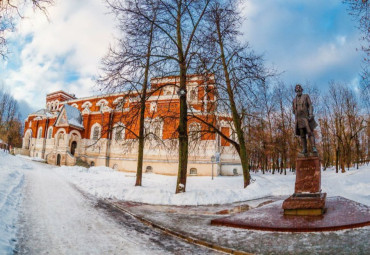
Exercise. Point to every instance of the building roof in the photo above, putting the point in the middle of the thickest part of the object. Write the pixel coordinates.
(74, 116)
(42, 112)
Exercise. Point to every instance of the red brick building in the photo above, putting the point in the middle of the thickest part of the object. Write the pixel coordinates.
(102, 130)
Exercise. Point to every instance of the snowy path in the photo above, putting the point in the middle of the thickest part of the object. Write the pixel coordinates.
(57, 219)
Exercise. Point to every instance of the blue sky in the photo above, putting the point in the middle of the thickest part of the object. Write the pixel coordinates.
(307, 40)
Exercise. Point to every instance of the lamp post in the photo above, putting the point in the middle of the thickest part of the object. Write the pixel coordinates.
(213, 159)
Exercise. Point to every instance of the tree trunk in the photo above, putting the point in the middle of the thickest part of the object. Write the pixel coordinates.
(139, 170)
(183, 119)
(234, 112)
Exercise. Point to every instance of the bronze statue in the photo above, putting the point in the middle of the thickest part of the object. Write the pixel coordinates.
(304, 119)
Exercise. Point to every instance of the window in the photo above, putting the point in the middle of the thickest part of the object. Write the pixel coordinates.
(153, 106)
(50, 133)
(193, 171)
(149, 169)
(39, 134)
(119, 133)
(157, 131)
(195, 131)
(96, 133)
(235, 171)
(146, 127)
(119, 102)
(193, 95)
(92, 163)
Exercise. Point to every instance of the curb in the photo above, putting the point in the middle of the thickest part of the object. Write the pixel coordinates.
(179, 235)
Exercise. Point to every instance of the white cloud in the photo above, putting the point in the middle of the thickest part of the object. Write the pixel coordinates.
(308, 40)
(71, 43)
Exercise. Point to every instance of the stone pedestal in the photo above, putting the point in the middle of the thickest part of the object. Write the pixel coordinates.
(307, 198)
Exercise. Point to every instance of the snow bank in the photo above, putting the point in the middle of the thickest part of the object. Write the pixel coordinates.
(158, 189)
(11, 181)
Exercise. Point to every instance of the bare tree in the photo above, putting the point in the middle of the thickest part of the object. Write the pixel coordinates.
(237, 70)
(175, 23)
(10, 125)
(360, 11)
(127, 67)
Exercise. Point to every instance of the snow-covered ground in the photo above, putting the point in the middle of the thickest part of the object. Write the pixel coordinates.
(158, 189)
(42, 213)
(38, 204)
(11, 181)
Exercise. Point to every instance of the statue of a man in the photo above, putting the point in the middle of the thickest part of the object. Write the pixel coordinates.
(304, 119)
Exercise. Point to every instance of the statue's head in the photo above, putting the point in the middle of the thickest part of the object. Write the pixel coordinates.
(298, 89)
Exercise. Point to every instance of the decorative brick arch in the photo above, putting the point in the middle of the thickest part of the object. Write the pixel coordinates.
(27, 138)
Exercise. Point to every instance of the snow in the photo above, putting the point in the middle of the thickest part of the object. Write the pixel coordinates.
(104, 182)
(51, 205)
(42, 213)
(32, 158)
(57, 216)
(11, 181)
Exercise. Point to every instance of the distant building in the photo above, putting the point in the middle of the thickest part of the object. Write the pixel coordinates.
(3, 145)
(101, 130)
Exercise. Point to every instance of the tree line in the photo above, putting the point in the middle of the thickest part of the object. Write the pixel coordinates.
(182, 37)
(10, 124)
(178, 37)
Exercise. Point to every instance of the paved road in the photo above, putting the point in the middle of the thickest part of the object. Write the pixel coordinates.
(55, 218)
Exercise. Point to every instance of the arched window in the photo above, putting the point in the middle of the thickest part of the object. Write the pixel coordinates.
(146, 126)
(50, 133)
(60, 138)
(119, 132)
(95, 131)
(193, 171)
(155, 128)
(149, 169)
(193, 95)
(153, 106)
(27, 139)
(195, 131)
(39, 133)
(158, 131)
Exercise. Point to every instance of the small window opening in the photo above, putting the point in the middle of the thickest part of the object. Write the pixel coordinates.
(149, 169)
(193, 171)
